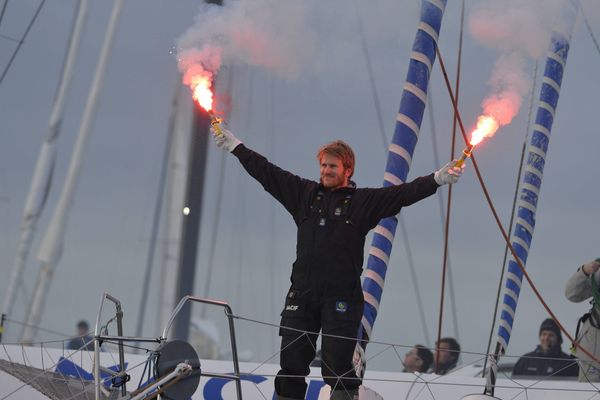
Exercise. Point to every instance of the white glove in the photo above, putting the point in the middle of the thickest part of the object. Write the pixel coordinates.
(449, 173)
(225, 140)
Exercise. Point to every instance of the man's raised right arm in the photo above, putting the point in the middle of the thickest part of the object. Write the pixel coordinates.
(284, 186)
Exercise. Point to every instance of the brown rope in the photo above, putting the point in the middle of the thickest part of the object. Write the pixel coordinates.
(449, 206)
(493, 210)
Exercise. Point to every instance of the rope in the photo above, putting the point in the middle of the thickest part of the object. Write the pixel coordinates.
(12, 58)
(39, 328)
(215, 231)
(3, 10)
(363, 41)
(500, 227)
(447, 225)
(589, 28)
(441, 201)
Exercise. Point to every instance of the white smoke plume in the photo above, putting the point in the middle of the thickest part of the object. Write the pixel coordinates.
(274, 35)
(290, 37)
(520, 31)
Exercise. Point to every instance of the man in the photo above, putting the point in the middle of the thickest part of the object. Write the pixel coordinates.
(582, 285)
(418, 359)
(547, 359)
(333, 217)
(447, 353)
(83, 340)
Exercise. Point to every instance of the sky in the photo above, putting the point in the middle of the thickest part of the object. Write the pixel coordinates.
(314, 88)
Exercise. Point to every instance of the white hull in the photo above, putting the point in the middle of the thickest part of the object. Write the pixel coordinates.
(258, 384)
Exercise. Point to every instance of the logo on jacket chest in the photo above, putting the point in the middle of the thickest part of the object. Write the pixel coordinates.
(341, 306)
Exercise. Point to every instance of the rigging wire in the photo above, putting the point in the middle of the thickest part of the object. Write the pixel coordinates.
(440, 197)
(448, 210)
(589, 28)
(14, 55)
(3, 10)
(512, 215)
(217, 210)
(385, 142)
(363, 41)
(274, 274)
(9, 38)
(158, 202)
(497, 219)
(38, 327)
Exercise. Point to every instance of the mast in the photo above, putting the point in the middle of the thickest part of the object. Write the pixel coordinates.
(160, 194)
(190, 228)
(531, 182)
(406, 134)
(175, 192)
(53, 241)
(44, 169)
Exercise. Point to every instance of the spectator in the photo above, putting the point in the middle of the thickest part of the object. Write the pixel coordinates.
(446, 358)
(582, 285)
(83, 340)
(418, 359)
(547, 359)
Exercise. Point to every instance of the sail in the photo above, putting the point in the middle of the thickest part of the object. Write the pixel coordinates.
(52, 244)
(44, 169)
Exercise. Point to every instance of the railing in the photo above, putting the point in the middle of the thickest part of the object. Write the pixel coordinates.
(229, 314)
(99, 338)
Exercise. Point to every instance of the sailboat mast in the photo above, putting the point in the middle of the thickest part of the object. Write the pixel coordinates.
(53, 241)
(44, 169)
(157, 210)
(531, 182)
(406, 134)
(191, 221)
(529, 188)
(190, 229)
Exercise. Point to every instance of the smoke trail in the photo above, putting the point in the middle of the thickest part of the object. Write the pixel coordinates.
(519, 31)
(277, 36)
(289, 37)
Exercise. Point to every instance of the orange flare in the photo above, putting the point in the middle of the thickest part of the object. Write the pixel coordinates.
(487, 125)
(201, 92)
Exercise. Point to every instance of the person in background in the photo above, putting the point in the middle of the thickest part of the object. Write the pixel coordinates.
(446, 357)
(582, 285)
(333, 217)
(418, 359)
(83, 340)
(547, 359)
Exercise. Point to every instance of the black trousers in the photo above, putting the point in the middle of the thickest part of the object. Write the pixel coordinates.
(337, 316)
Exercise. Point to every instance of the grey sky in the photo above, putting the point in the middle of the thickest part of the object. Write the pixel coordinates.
(108, 231)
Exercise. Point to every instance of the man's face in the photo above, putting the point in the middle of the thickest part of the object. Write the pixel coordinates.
(412, 361)
(333, 174)
(548, 340)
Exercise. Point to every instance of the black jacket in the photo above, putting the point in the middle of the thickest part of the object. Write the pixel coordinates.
(555, 363)
(332, 224)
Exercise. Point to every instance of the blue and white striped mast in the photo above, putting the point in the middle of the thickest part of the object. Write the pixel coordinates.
(531, 182)
(406, 134)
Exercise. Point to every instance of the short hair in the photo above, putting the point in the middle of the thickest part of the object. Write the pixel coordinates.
(426, 357)
(453, 345)
(83, 325)
(341, 150)
(550, 325)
